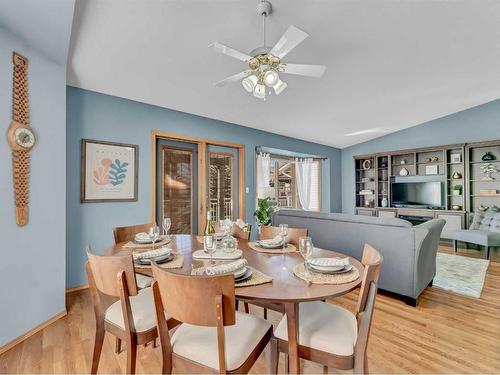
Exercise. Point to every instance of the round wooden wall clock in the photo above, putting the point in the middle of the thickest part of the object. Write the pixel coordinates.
(21, 138)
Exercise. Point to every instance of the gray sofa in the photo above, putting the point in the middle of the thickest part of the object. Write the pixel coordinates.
(409, 251)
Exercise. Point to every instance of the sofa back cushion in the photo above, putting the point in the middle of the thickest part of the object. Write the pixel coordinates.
(488, 221)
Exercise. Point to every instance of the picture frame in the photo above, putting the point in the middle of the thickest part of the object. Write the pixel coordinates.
(431, 169)
(456, 158)
(109, 171)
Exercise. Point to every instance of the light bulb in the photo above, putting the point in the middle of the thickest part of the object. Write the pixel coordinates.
(260, 91)
(249, 82)
(279, 87)
(271, 78)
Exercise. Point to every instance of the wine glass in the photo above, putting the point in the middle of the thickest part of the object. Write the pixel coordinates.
(306, 250)
(154, 234)
(223, 226)
(209, 245)
(167, 223)
(284, 233)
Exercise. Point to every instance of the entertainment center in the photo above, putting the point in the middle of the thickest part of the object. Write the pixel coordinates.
(448, 182)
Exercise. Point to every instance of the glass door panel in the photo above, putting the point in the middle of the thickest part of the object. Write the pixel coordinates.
(177, 169)
(222, 183)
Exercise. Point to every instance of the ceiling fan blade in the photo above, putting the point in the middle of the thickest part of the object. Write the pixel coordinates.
(230, 51)
(288, 41)
(234, 78)
(304, 69)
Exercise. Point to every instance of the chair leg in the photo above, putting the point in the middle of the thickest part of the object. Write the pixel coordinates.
(246, 307)
(131, 355)
(274, 356)
(237, 305)
(287, 364)
(99, 340)
(265, 313)
(118, 345)
(487, 252)
(455, 246)
(325, 369)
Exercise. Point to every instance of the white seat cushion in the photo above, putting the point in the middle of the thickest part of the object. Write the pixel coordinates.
(324, 327)
(199, 344)
(143, 281)
(142, 311)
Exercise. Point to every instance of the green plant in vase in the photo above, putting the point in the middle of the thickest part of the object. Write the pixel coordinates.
(457, 189)
(263, 212)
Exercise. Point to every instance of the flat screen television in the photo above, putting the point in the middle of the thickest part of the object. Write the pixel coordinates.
(417, 194)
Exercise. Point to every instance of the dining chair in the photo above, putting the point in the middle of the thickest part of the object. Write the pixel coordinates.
(124, 234)
(120, 307)
(332, 335)
(294, 234)
(213, 337)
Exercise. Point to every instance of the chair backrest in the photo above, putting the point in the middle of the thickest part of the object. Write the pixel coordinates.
(122, 234)
(268, 232)
(488, 221)
(237, 232)
(105, 271)
(192, 299)
(372, 260)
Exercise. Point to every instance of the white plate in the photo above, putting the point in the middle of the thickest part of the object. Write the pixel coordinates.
(147, 241)
(324, 269)
(240, 272)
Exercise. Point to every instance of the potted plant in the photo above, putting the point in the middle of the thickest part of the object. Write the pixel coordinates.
(263, 212)
(457, 189)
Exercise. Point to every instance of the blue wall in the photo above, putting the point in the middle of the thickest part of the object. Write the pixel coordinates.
(32, 269)
(480, 123)
(97, 116)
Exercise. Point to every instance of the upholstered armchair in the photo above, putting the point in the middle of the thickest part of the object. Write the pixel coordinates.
(484, 231)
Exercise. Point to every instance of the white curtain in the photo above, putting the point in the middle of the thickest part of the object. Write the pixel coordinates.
(263, 170)
(303, 169)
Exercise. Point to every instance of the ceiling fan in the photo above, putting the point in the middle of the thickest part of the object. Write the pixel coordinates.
(265, 63)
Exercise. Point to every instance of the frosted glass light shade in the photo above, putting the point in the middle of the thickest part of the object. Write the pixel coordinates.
(260, 91)
(249, 83)
(279, 87)
(271, 78)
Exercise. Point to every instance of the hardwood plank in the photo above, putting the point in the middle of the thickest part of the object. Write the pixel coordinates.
(445, 333)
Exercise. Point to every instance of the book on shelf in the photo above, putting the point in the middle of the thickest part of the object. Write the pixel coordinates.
(366, 192)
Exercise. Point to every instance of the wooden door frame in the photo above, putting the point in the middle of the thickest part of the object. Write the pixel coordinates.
(202, 144)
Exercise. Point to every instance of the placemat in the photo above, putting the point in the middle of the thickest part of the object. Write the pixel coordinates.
(177, 262)
(323, 278)
(288, 249)
(135, 245)
(218, 255)
(257, 277)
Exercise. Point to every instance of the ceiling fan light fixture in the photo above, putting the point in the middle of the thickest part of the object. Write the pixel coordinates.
(279, 87)
(259, 91)
(271, 78)
(250, 82)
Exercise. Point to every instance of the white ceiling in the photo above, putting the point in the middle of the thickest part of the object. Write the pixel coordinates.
(390, 64)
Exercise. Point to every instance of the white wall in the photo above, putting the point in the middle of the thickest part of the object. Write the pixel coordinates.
(32, 258)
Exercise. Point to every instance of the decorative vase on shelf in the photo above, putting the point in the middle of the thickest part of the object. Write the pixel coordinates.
(384, 202)
(404, 172)
(456, 176)
(488, 156)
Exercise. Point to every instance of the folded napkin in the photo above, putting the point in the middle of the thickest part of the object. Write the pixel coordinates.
(330, 262)
(224, 268)
(164, 250)
(241, 224)
(142, 236)
(276, 241)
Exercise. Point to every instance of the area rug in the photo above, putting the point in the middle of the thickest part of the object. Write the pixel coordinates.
(460, 274)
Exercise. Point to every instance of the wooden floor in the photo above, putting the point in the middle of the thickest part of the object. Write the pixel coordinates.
(446, 333)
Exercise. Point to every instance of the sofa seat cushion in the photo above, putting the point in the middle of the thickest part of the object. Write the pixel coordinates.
(143, 281)
(142, 311)
(479, 237)
(324, 327)
(199, 344)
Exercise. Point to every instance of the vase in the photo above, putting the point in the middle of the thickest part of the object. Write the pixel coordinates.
(488, 156)
(384, 202)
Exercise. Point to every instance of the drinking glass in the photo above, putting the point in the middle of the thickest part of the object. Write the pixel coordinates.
(167, 223)
(154, 234)
(284, 233)
(306, 250)
(209, 245)
(223, 226)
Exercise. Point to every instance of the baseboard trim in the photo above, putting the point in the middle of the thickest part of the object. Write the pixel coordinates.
(76, 288)
(31, 332)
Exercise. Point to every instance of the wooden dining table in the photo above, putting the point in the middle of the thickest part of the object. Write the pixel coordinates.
(284, 293)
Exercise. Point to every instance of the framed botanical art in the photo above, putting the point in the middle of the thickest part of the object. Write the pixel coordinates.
(109, 172)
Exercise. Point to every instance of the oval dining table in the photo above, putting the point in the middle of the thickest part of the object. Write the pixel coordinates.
(284, 293)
